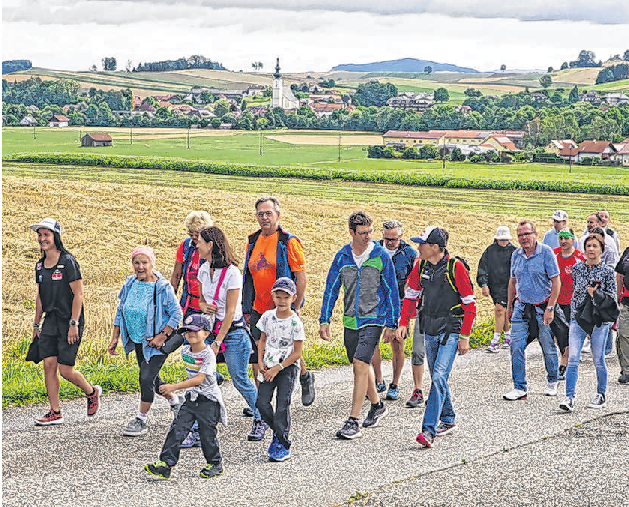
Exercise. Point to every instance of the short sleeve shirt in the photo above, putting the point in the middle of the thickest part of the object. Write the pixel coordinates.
(233, 280)
(190, 272)
(263, 263)
(565, 274)
(55, 292)
(281, 335)
(200, 362)
(533, 274)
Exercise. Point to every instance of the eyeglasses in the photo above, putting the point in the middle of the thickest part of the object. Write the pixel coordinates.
(390, 240)
(365, 233)
(524, 234)
(264, 214)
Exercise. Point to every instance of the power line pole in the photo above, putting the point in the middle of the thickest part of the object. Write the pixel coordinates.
(339, 146)
(188, 142)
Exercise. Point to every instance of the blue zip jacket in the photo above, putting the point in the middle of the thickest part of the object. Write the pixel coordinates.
(370, 292)
(403, 260)
(168, 313)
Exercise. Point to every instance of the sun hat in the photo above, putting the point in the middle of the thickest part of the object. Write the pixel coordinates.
(502, 232)
(48, 223)
(560, 215)
(431, 235)
(285, 284)
(196, 322)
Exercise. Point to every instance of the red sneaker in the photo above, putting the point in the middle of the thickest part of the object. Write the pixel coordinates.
(93, 401)
(50, 418)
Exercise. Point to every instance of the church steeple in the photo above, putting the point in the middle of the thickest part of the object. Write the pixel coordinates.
(277, 70)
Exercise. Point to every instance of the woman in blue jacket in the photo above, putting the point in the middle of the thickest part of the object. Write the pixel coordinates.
(146, 316)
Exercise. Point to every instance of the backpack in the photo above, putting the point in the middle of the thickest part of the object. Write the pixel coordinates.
(450, 276)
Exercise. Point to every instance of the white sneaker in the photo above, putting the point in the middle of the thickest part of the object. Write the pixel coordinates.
(515, 394)
(598, 401)
(493, 347)
(587, 347)
(551, 389)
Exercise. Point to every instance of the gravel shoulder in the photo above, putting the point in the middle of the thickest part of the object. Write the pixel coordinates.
(501, 453)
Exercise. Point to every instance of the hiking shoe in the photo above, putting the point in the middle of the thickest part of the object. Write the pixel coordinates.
(307, 388)
(174, 408)
(158, 469)
(49, 419)
(443, 428)
(417, 398)
(393, 393)
(587, 347)
(493, 347)
(219, 379)
(258, 428)
(93, 401)
(280, 453)
(247, 412)
(551, 389)
(211, 470)
(374, 415)
(506, 344)
(349, 431)
(598, 401)
(425, 439)
(562, 373)
(135, 428)
(567, 405)
(381, 387)
(624, 378)
(192, 440)
(515, 394)
(274, 443)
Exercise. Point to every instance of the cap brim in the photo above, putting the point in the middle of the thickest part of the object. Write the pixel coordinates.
(36, 227)
(191, 328)
(417, 239)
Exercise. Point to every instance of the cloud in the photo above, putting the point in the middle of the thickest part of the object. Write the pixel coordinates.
(604, 12)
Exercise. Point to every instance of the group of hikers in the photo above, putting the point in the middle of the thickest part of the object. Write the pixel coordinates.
(561, 291)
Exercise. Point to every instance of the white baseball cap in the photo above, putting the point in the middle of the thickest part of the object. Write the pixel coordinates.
(560, 215)
(48, 223)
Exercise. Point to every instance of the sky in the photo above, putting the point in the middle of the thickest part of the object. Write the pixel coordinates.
(313, 35)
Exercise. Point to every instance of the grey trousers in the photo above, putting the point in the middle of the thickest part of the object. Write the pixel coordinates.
(622, 343)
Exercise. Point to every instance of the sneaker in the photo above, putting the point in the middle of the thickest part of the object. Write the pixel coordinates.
(381, 387)
(417, 398)
(158, 469)
(93, 401)
(567, 405)
(174, 407)
(393, 393)
(219, 379)
(135, 428)
(258, 428)
(443, 428)
(307, 388)
(349, 431)
(551, 389)
(562, 373)
(280, 453)
(247, 412)
(425, 439)
(274, 443)
(493, 348)
(209, 471)
(598, 401)
(515, 394)
(624, 378)
(49, 419)
(374, 415)
(587, 347)
(192, 440)
(506, 344)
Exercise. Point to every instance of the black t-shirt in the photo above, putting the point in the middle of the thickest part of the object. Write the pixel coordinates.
(623, 267)
(54, 286)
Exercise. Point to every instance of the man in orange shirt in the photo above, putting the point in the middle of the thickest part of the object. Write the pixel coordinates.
(272, 253)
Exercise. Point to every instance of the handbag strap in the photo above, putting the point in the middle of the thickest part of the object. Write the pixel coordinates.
(221, 279)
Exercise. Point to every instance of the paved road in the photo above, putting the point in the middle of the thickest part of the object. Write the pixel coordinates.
(516, 453)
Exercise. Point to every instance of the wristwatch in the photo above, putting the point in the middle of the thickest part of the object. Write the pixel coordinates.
(74, 323)
(550, 308)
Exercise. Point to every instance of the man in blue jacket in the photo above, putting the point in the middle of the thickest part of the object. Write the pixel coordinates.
(371, 301)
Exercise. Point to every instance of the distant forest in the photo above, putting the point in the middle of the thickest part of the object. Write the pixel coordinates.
(192, 62)
(15, 65)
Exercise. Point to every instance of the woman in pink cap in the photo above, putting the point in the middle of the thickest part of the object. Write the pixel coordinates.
(146, 316)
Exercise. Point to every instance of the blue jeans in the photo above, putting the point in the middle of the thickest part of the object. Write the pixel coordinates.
(440, 359)
(237, 352)
(519, 335)
(609, 341)
(598, 339)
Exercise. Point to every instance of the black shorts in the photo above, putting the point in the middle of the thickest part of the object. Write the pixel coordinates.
(53, 340)
(499, 297)
(256, 334)
(361, 343)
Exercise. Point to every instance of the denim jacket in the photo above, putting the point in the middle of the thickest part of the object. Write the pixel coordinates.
(169, 314)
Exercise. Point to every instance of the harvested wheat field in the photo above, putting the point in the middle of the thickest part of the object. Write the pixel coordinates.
(351, 140)
(103, 222)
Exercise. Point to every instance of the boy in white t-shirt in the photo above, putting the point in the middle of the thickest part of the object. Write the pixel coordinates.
(279, 350)
(204, 403)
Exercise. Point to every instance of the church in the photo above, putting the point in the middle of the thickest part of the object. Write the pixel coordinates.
(282, 96)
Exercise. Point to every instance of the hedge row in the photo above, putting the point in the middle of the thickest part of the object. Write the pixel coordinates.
(262, 171)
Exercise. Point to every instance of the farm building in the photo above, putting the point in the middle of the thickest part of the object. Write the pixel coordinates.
(96, 139)
(59, 120)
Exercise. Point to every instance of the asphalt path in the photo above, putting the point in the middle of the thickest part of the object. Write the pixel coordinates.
(501, 453)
